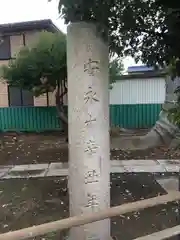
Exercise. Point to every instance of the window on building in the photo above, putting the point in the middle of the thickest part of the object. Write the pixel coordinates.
(27, 98)
(5, 48)
(20, 97)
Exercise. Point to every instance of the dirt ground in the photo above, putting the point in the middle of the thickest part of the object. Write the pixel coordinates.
(29, 202)
(51, 147)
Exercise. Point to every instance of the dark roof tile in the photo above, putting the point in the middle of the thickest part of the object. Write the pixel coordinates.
(45, 24)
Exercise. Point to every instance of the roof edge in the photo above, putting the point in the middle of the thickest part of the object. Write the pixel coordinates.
(45, 24)
(141, 75)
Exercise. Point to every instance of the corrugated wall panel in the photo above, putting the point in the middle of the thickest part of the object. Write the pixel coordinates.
(28, 119)
(138, 91)
(134, 116)
(36, 119)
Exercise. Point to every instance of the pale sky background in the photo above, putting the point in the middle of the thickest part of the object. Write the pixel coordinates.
(27, 10)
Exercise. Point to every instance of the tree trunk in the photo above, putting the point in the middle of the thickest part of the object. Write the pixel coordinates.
(164, 131)
(88, 116)
(63, 120)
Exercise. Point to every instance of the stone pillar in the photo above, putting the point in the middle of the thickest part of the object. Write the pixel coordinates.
(88, 113)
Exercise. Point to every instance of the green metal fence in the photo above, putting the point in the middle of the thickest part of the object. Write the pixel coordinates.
(134, 115)
(28, 119)
(45, 118)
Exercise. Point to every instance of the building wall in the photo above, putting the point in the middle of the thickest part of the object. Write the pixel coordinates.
(41, 101)
(3, 95)
(136, 103)
(31, 38)
(128, 92)
(17, 41)
(28, 39)
(129, 107)
(3, 89)
(138, 91)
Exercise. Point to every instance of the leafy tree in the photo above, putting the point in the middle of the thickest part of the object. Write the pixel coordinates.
(146, 30)
(136, 28)
(42, 68)
(116, 68)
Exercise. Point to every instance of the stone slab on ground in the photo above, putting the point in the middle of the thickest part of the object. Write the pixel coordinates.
(4, 170)
(61, 169)
(169, 184)
(57, 172)
(57, 169)
(26, 171)
(147, 169)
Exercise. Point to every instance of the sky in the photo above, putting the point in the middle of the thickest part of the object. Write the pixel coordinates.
(27, 10)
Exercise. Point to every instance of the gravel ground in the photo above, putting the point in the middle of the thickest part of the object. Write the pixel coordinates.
(25, 203)
(50, 147)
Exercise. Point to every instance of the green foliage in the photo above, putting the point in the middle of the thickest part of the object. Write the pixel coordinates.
(44, 60)
(41, 66)
(135, 28)
(146, 30)
(115, 69)
(174, 114)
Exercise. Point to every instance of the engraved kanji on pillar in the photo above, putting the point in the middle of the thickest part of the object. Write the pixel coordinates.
(91, 147)
(90, 96)
(90, 120)
(91, 67)
(92, 176)
(92, 201)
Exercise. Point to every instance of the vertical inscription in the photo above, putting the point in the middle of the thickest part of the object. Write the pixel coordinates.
(91, 67)
(92, 176)
(89, 48)
(91, 147)
(90, 120)
(90, 96)
(92, 201)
